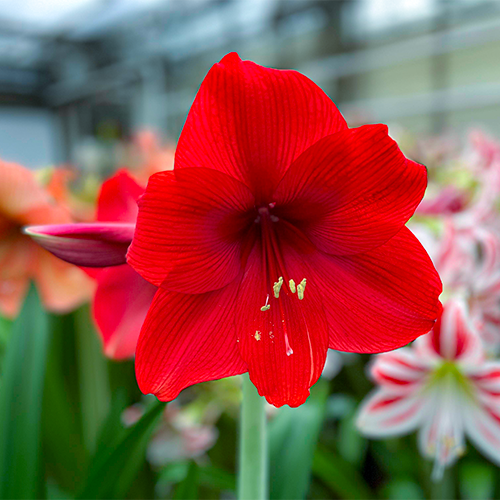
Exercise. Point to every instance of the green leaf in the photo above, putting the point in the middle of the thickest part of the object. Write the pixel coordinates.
(351, 444)
(112, 430)
(5, 329)
(477, 481)
(5, 333)
(174, 472)
(115, 466)
(404, 488)
(340, 476)
(293, 436)
(56, 493)
(209, 475)
(188, 488)
(21, 403)
(338, 406)
(93, 377)
(64, 454)
(217, 478)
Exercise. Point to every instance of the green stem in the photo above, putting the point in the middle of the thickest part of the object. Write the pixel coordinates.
(252, 477)
(444, 487)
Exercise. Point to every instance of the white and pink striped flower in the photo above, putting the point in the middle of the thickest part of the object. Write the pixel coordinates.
(468, 261)
(443, 386)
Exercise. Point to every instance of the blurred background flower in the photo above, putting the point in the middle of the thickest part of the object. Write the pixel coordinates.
(444, 387)
(122, 297)
(24, 201)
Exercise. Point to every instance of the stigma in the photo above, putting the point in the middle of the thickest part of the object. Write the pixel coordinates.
(266, 306)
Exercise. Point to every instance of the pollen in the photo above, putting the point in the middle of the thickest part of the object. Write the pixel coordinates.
(257, 335)
(291, 283)
(301, 288)
(277, 287)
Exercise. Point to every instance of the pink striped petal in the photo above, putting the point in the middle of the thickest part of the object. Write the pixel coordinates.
(386, 414)
(482, 425)
(453, 337)
(441, 437)
(100, 244)
(398, 371)
(487, 379)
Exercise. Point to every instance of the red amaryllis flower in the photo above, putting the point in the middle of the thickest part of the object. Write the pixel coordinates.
(122, 297)
(279, 233)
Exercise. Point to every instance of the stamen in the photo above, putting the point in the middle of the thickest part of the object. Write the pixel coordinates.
(277, 287)
(272, 204)
(257, 335)
(266, 306)
(301, 288)
(274, 218)
(291, 283)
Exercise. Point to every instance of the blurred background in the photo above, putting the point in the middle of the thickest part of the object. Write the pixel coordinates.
(76, 75)
(83, 83)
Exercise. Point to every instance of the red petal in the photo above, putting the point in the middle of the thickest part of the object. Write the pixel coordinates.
(118, 198)
(121, 302)
(187, 339)
(380, 300)
(351, 191)
(99, 244)
(265, 337)
(251, 122)
(188, 230)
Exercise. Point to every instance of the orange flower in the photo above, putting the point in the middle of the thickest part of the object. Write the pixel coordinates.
(81, 208)
(151, 156)
(23, 201)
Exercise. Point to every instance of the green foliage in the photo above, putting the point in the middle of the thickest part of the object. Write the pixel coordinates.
(5, 331)
(340, 476)
(477, 481)
(293, 437)
(188, 487)
(21, 395)
(115, 465)
(404, 488)
(93, 378)
(62, 436)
